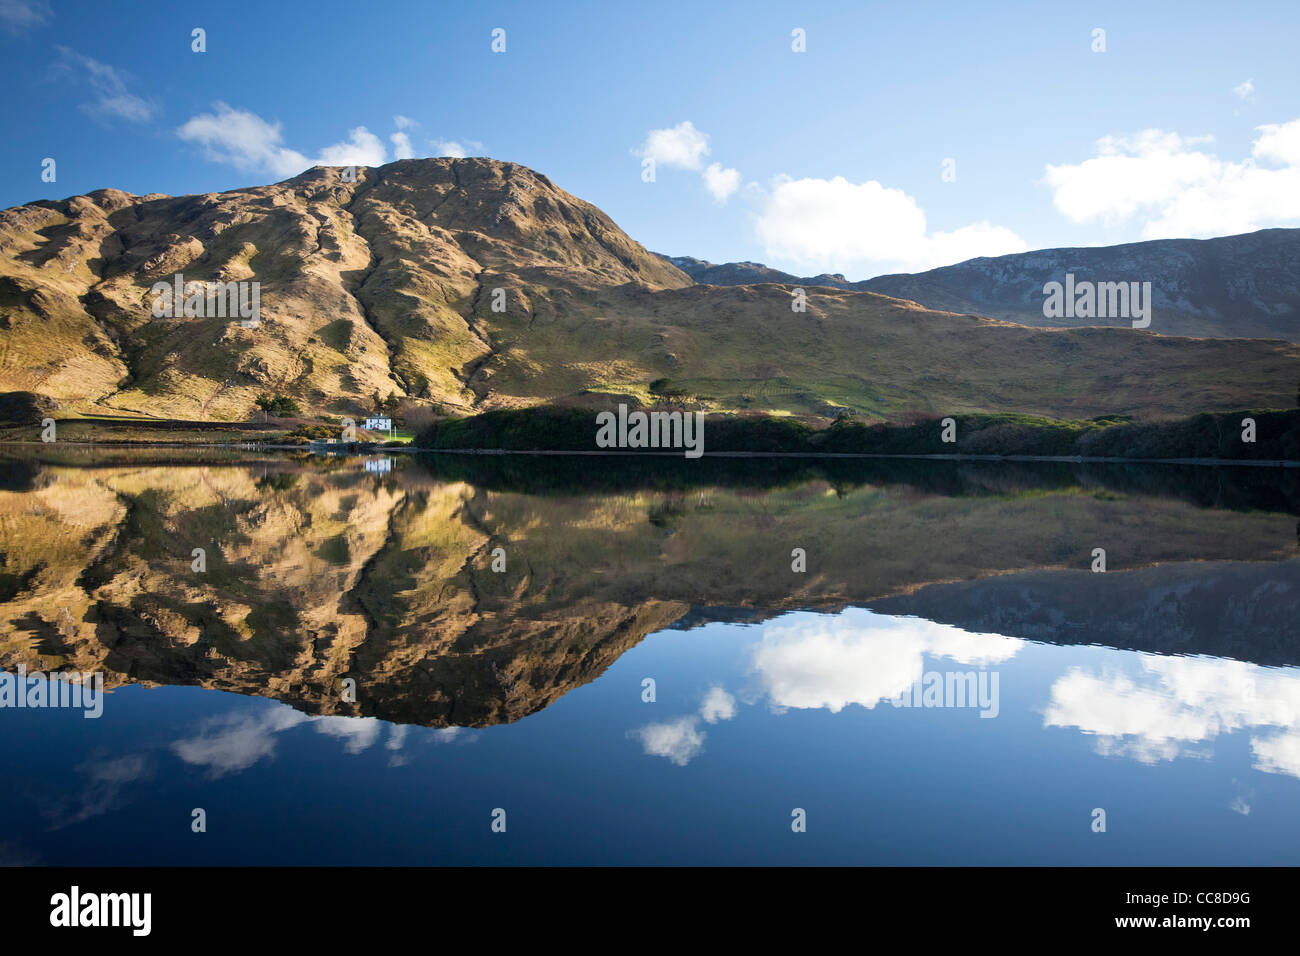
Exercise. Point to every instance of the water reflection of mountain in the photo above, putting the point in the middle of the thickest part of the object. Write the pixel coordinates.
(317, 573)
(1246, 611)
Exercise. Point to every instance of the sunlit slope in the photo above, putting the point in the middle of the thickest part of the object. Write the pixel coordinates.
(470, 284)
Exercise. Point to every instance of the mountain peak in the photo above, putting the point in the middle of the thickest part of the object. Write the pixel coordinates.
(503, 214)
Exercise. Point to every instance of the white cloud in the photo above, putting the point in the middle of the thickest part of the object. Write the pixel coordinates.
(396, 740)
(236, 742)
(1180, 190)
(833, 225)
(454, 148)
(243, 139)
(1245, 91)
(682, 145)
(448, 147)
(361, 148)
(452, 735)
(357, 733)
(678, 740)
(1278, 143)
(19, 15)
(104, 782)
(1179, 705)
(717, 705)
(113, 99)
(1152, 168)
(1278, 754)
(858, 657)
(720, 182)
(402, 148)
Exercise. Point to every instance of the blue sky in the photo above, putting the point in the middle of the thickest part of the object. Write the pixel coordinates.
(831, 159)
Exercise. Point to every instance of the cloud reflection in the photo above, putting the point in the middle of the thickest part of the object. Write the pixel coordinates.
(678, 740)
(1177, 706)
(859, 657)
(234, 742)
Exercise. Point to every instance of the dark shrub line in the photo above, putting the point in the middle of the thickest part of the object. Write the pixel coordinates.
(1204, 436)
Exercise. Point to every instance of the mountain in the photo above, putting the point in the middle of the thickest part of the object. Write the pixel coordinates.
(464, 285)
(372, 285)
(749, 273)
(1245, 286)
(1224, 609)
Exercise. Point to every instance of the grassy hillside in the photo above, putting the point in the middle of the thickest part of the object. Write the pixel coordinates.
(462, 286)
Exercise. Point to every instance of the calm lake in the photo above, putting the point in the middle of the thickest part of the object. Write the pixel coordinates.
(480, 659)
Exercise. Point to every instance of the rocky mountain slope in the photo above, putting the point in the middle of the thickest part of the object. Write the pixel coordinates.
(1245, 286)
(371, 285)
(470, 284)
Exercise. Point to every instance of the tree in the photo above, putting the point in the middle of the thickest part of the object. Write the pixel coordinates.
(285, 407)
(281, 406)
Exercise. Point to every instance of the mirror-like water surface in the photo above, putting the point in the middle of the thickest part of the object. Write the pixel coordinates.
(916, 663)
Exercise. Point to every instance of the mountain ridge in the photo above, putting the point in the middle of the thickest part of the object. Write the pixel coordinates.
(1202, 287)
(463, 285)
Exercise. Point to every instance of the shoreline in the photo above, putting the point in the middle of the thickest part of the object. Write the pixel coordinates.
(370, 452)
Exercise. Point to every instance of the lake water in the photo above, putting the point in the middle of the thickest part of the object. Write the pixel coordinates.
(346, 662)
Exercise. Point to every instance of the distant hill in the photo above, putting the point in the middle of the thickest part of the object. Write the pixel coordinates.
(466, 285)
(749, 273)
(1245, 286)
